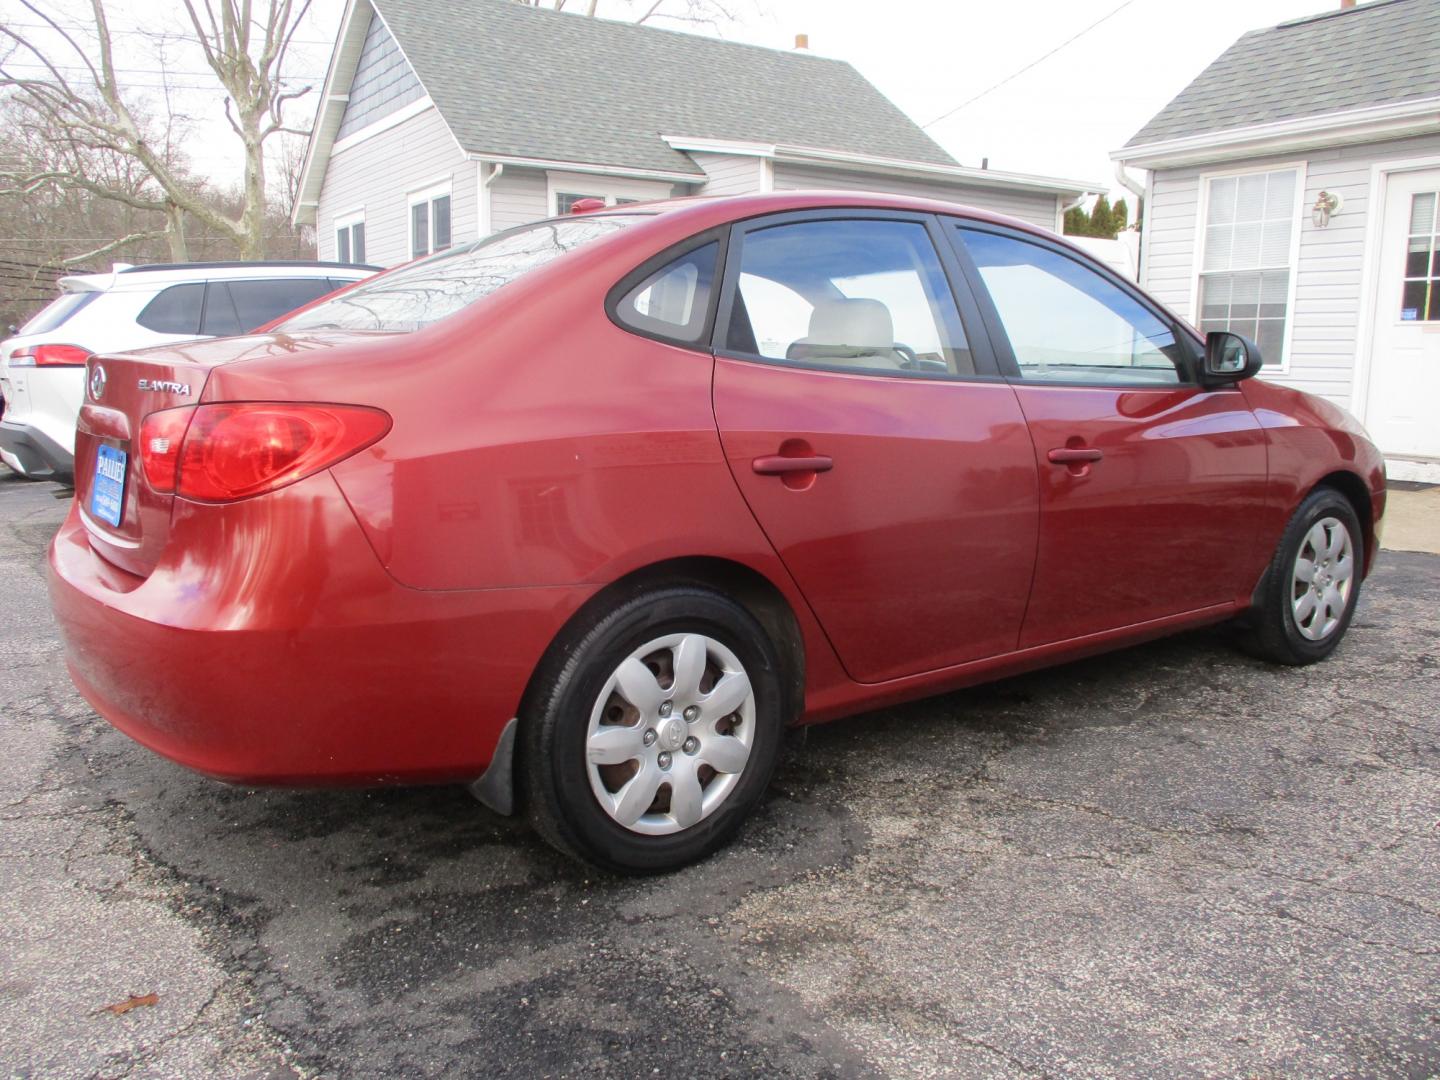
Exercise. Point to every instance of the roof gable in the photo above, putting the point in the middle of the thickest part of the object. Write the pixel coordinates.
(383, 81)
(512, 80)
(1379, 53)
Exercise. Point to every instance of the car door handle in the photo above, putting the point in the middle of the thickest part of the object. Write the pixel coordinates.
(775, 464)
(1074, 455)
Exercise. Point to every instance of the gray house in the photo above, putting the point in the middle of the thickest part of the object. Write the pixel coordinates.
(441, 123)
(1292, 196)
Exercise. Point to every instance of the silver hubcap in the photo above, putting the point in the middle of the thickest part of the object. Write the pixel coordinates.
(1323, 578)
(670, 734)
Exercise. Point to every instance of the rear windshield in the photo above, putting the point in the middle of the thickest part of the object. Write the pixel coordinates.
(427, 291)
(54, 314)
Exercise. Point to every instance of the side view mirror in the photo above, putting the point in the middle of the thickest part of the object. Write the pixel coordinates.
(1230, 357)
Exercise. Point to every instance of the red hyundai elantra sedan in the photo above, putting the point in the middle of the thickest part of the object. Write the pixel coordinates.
(585, 513)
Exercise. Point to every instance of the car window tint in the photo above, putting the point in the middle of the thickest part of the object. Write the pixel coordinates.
(258, 302)
(1067, 323)
(849, 293)
(219, 319)
(175, 310)
(674, 301)
(424, 292)
(57, 312)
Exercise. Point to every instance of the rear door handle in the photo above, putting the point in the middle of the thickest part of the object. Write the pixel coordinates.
(775, 464)
(1074, 455)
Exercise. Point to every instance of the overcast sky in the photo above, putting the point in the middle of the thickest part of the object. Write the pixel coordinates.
(1062, 117)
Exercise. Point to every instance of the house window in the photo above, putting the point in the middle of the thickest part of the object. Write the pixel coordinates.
(1420, 300)
(1247, 259)
(350, 239)
(565, 200)
(429, 221)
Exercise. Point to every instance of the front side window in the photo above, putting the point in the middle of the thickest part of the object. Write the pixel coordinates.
(1245, 261)
(417, 295)
(674, 301)
(1067, 323)
(848, 293)
(429, 223)
(1420, 296)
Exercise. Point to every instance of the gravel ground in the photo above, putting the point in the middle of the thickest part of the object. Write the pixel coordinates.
(1170, 861)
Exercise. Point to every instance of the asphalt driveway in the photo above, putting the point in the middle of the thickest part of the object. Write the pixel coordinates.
(1170, 861)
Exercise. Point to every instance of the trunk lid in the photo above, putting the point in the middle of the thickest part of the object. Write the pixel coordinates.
(127, 520)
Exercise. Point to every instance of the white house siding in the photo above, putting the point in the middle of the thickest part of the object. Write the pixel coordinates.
(377, 174)
(1330, 263)
(517, 196)
(728, 174)
(1037, 208)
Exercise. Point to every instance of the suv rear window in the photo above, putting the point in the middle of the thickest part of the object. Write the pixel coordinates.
(54, 314)
(426, 291)
(175, 310)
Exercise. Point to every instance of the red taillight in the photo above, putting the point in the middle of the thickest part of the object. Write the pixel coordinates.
(217, 453)
(50, 356)
(235, 451)
(160, 437)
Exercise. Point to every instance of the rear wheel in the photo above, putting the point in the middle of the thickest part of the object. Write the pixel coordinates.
(653, 734)
(1309, 591)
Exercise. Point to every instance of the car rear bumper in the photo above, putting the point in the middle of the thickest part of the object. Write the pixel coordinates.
(40, 456)
(273, 648)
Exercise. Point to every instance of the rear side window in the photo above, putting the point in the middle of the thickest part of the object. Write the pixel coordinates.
(674, 302)
(54, 315)
(175, 310)
(258, 302)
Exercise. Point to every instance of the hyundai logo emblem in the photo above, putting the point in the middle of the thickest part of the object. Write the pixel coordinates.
(97, 381)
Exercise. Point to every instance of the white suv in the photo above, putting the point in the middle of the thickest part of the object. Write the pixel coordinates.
(42, 368)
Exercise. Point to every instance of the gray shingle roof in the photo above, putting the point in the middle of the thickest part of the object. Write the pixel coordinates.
(1373, 54)
(518, 81)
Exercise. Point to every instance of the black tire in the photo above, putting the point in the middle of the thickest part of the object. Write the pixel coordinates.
(555, 720)
(1272, 633)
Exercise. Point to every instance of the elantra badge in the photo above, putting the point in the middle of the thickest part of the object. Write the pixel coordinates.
(97, 381)
(164, 387)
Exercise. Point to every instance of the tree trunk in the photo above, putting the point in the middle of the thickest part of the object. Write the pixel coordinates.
(175, 233)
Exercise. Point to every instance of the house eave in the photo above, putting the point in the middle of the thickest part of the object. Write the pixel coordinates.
(1389, 121)
(592, 168)
(960, 174)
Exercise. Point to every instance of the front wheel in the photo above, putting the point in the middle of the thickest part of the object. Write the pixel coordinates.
(1309, 591)
(653, 735)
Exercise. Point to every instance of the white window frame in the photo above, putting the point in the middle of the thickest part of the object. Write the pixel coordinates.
(1297, 212)
(594, 185)
(346, 221)
(427, 194)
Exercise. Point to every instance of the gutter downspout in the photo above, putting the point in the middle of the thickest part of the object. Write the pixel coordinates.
(1133, 186)
(483, 210)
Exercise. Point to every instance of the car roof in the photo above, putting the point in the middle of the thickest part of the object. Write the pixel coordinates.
(127, 276)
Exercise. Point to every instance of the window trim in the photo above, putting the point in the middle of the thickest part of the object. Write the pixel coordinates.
(428, 195)
(1197, 260)
(971, 320)
(342, 222)
(720, 235)
(609, 188)
(1185, 334)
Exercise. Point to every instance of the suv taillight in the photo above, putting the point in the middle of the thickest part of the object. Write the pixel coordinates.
(220, 453)
(50, 356)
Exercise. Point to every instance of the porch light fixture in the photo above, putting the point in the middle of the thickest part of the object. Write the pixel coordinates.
(1326, 205)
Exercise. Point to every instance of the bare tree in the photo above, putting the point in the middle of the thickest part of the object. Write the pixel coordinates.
(245, 44)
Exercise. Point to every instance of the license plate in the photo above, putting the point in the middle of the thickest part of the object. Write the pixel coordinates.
(107, 495)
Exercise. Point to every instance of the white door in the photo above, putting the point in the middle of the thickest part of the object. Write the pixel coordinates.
(1403, 413)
